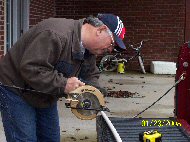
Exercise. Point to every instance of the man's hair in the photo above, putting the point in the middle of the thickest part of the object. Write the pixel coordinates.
(94, 21)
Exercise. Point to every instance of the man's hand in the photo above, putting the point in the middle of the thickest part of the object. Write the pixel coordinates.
(72, 84)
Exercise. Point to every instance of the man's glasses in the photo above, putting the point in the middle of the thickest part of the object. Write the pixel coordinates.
(112, 43)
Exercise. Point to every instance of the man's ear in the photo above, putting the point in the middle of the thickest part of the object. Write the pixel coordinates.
(100, 29)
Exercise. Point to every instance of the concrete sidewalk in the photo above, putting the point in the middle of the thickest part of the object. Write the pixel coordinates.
(147, 89)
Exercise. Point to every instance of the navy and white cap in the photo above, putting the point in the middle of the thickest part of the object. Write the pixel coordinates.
(116, 27)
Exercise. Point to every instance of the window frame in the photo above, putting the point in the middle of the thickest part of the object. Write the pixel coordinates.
(17, 20)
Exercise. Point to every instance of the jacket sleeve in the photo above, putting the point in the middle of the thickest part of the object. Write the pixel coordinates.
(37, 64)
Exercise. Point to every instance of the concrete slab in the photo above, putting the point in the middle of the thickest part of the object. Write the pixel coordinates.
(148, 88)
(163, 67)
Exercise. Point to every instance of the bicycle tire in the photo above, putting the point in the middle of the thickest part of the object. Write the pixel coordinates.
(107, 64)
(141, 64)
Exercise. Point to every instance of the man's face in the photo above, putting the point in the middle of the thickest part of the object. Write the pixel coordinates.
(103, 41)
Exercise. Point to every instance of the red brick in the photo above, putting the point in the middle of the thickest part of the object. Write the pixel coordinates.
(41, 9)
(1, 52)
(187, 32)
(2, 37)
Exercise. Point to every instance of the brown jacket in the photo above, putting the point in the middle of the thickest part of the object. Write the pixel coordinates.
(44, 57)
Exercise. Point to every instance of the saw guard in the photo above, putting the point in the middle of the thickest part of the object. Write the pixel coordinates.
(74, 102)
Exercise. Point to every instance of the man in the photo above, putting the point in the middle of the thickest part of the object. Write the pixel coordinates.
(54, 57)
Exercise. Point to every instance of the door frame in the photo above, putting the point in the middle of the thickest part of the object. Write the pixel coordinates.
(16, 21)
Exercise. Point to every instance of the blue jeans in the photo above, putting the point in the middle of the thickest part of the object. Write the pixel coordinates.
(24, 123)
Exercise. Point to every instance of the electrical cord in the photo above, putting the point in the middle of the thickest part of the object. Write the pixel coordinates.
(182, 77)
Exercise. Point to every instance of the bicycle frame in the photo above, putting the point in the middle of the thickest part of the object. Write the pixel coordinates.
(119, 58)
(137, 53)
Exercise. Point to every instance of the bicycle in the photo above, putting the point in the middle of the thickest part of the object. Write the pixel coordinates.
(110, 62)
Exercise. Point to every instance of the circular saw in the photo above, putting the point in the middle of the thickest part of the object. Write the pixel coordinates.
(85, 102)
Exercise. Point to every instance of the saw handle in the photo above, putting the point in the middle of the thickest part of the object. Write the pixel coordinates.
(101, 89)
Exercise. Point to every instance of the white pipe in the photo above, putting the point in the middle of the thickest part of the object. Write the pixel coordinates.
(115, 133)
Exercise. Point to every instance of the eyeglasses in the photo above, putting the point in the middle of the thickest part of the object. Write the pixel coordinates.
(112, 43)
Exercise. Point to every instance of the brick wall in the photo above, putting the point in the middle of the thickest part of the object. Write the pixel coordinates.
(41, 9)
(187, 28)
(160, 21)
(1, 27)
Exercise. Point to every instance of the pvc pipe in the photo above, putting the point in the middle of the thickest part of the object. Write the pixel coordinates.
(115, 133)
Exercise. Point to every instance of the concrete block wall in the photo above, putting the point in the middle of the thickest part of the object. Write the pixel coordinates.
(160, 21)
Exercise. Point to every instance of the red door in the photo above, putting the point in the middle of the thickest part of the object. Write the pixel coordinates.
(182, 97)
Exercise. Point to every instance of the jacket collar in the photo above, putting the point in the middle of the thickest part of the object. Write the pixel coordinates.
(78, 50)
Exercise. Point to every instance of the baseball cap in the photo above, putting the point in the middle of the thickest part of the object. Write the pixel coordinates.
(116, 26)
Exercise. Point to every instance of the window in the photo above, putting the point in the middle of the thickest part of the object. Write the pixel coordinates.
(17, 20)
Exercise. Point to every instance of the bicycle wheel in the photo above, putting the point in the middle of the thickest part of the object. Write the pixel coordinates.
(107, 63)
(141, 64)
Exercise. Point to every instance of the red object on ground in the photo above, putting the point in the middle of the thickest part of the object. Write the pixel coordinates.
(182, 96)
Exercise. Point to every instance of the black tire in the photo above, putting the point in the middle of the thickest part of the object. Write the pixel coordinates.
(107, 63)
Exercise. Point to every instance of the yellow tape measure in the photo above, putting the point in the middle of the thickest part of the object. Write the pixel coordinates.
(150, 136)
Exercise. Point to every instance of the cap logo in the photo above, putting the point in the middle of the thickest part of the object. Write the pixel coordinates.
(120, 30)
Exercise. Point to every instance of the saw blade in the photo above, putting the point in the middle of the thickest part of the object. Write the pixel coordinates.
(87, 103)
